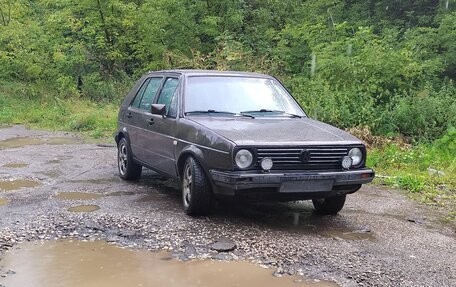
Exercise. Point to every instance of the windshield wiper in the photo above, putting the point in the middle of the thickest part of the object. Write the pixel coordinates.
(271, 111)
(218, 112)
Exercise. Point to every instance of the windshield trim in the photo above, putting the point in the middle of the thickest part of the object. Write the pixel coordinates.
(219, 113)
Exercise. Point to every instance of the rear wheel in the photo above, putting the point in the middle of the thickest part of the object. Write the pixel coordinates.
(330, 205)
(128, 169)
(196, 192)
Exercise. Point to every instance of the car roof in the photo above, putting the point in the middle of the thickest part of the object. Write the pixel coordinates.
(212, 73)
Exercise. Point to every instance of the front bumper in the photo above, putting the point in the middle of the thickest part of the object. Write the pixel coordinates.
(291, 181)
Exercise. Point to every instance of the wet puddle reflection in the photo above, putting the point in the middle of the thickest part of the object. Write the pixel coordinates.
(299, 217)
(349, 235)
(121, 193)
(83, 208)
(51, 173)
(24, 141)
(77, 196)
(16, 184)
(98, 180)
(67, 263)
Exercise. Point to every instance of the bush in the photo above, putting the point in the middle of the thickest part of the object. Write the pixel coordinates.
(426, 115)
(447, 143)
(419, 115)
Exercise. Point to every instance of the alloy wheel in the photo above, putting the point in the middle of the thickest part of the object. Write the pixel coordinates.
(123, 158)
(187, 184)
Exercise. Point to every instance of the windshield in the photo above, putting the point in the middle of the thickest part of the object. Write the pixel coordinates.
(239, 95)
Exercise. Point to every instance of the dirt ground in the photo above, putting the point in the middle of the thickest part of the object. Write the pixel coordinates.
(54, 186)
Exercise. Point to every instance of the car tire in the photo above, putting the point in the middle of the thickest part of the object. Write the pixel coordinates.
(330, 205)
(128, 169)
(196, 192)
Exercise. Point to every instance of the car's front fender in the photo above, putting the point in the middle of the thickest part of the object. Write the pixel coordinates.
(190, 150)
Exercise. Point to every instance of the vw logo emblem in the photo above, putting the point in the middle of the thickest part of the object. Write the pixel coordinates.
(305, 155)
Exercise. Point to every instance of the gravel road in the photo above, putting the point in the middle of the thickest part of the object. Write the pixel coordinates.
(52, 186)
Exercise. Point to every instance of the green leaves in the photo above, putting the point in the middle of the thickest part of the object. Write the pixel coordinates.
(349, 63)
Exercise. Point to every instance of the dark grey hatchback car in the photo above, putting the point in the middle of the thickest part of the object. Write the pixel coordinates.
(235, 134)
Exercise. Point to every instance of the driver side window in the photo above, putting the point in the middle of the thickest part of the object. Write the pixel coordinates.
(169, 96)
(146, 93)
(149, 94)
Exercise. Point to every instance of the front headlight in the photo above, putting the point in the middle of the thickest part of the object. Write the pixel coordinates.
(356, 155)
(243, 158)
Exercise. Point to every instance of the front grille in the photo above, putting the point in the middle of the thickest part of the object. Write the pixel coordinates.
(319, 158)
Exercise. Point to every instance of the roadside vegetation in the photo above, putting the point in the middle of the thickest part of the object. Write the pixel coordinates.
(44, 110)
(386, 67)
(427, 171)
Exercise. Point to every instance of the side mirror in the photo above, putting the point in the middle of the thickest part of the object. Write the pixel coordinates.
(158, 109)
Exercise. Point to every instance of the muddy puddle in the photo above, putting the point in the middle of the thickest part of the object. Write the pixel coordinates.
(25, 141)
(77, 196)
(84, 208)
(15, 165)
(121, 193)
(98, 180)
(3, 201)
(98, 264)
(16, 184)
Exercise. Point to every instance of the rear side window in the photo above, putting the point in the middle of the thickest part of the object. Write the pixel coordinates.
(168, 96)
(139, 94)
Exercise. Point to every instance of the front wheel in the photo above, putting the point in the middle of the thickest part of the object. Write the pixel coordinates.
(196, 192)
(128, 169)
(330, 205)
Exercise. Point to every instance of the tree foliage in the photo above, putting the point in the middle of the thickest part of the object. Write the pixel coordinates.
(389, 65)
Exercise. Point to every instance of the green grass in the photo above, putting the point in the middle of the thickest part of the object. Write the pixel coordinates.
(426, 171)
(19, 105)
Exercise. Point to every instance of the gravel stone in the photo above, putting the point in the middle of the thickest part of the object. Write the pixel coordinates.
(223, 245)
(148, 215)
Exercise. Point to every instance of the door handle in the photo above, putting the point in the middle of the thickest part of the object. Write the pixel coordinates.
(129, 115)
(150, 121)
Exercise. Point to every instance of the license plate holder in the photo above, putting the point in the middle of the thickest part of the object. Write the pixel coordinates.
(310, 185)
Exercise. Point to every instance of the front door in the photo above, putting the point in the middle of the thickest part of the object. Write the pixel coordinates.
(138, 111)
(162, 129)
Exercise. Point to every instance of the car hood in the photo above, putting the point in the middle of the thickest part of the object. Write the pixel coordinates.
(275, 131)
